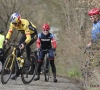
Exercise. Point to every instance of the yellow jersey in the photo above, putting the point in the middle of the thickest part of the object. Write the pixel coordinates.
(25, 27)
(2, 38)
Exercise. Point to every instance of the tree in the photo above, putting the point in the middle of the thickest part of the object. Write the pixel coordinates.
(7, 7)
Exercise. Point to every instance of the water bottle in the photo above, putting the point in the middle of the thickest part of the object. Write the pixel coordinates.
(22, 61)
(0, 66)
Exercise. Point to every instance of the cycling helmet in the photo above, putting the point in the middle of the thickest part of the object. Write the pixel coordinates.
(15, 17)
(94, 11)
(46, 27)
(1, 31)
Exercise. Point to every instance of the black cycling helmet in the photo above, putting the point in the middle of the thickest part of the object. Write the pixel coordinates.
(1, 31)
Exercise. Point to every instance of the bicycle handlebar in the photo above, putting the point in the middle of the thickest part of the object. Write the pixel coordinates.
(47, 51)
(16, 46)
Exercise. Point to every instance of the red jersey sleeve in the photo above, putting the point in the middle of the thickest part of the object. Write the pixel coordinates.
(38, 43)
(54, 44)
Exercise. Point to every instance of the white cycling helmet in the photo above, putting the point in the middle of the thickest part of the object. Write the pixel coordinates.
(15, 18)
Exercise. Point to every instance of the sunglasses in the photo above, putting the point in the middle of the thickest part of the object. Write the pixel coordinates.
(14, 23)
(92, 17)
(45, 30)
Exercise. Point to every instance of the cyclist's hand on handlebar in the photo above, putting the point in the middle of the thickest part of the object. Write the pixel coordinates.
(22, 46)
(38, 49)
(6, 41)
(54, 49)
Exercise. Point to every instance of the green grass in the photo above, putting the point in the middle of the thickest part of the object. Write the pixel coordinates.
(74, 72)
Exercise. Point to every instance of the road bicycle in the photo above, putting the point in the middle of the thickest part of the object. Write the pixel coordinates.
(46, 65)
(12, 63)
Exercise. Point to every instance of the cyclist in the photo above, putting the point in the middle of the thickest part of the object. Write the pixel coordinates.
(29, 35)
(2, 38)
(95, 18)
(46, 41)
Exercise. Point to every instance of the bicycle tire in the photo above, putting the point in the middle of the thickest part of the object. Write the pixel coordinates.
(7, 69)
(47, 70)
(28, 76)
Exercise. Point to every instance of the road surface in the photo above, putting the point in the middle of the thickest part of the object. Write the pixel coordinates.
(62, 84)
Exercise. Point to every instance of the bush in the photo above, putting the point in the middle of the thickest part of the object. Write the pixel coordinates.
(74, 73)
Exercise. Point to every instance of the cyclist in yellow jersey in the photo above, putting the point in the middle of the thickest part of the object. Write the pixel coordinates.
(2, 38)
(29, 34)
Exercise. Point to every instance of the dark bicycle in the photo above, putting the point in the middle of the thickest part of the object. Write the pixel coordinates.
(12, 64)
(46, 65)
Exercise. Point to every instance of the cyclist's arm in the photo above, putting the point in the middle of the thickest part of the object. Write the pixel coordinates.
(93, 38)
(10, 31)
(38, 41)
(54, 44)
(53, 41)
(28, 36)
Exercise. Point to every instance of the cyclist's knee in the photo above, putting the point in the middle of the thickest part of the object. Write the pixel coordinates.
(51, 58)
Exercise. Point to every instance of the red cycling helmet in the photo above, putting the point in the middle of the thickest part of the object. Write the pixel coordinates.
(46, 27)
(94, 11)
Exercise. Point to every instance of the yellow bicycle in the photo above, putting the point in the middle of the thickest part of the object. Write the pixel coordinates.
(13, 63)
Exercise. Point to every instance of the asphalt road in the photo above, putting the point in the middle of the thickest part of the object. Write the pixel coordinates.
(62, 84)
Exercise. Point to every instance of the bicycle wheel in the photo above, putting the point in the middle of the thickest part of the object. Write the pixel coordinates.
(47, 70)
(7, 69)
(27, 75)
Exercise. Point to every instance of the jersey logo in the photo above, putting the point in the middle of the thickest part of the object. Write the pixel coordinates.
(23, 24)
(45, 39)
(13, 18)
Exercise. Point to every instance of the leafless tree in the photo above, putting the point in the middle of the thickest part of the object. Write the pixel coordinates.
(7, 7)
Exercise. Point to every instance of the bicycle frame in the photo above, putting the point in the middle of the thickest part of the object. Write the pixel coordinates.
(13, 63)
(13, 53)
(14, 57)
(46, 56)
